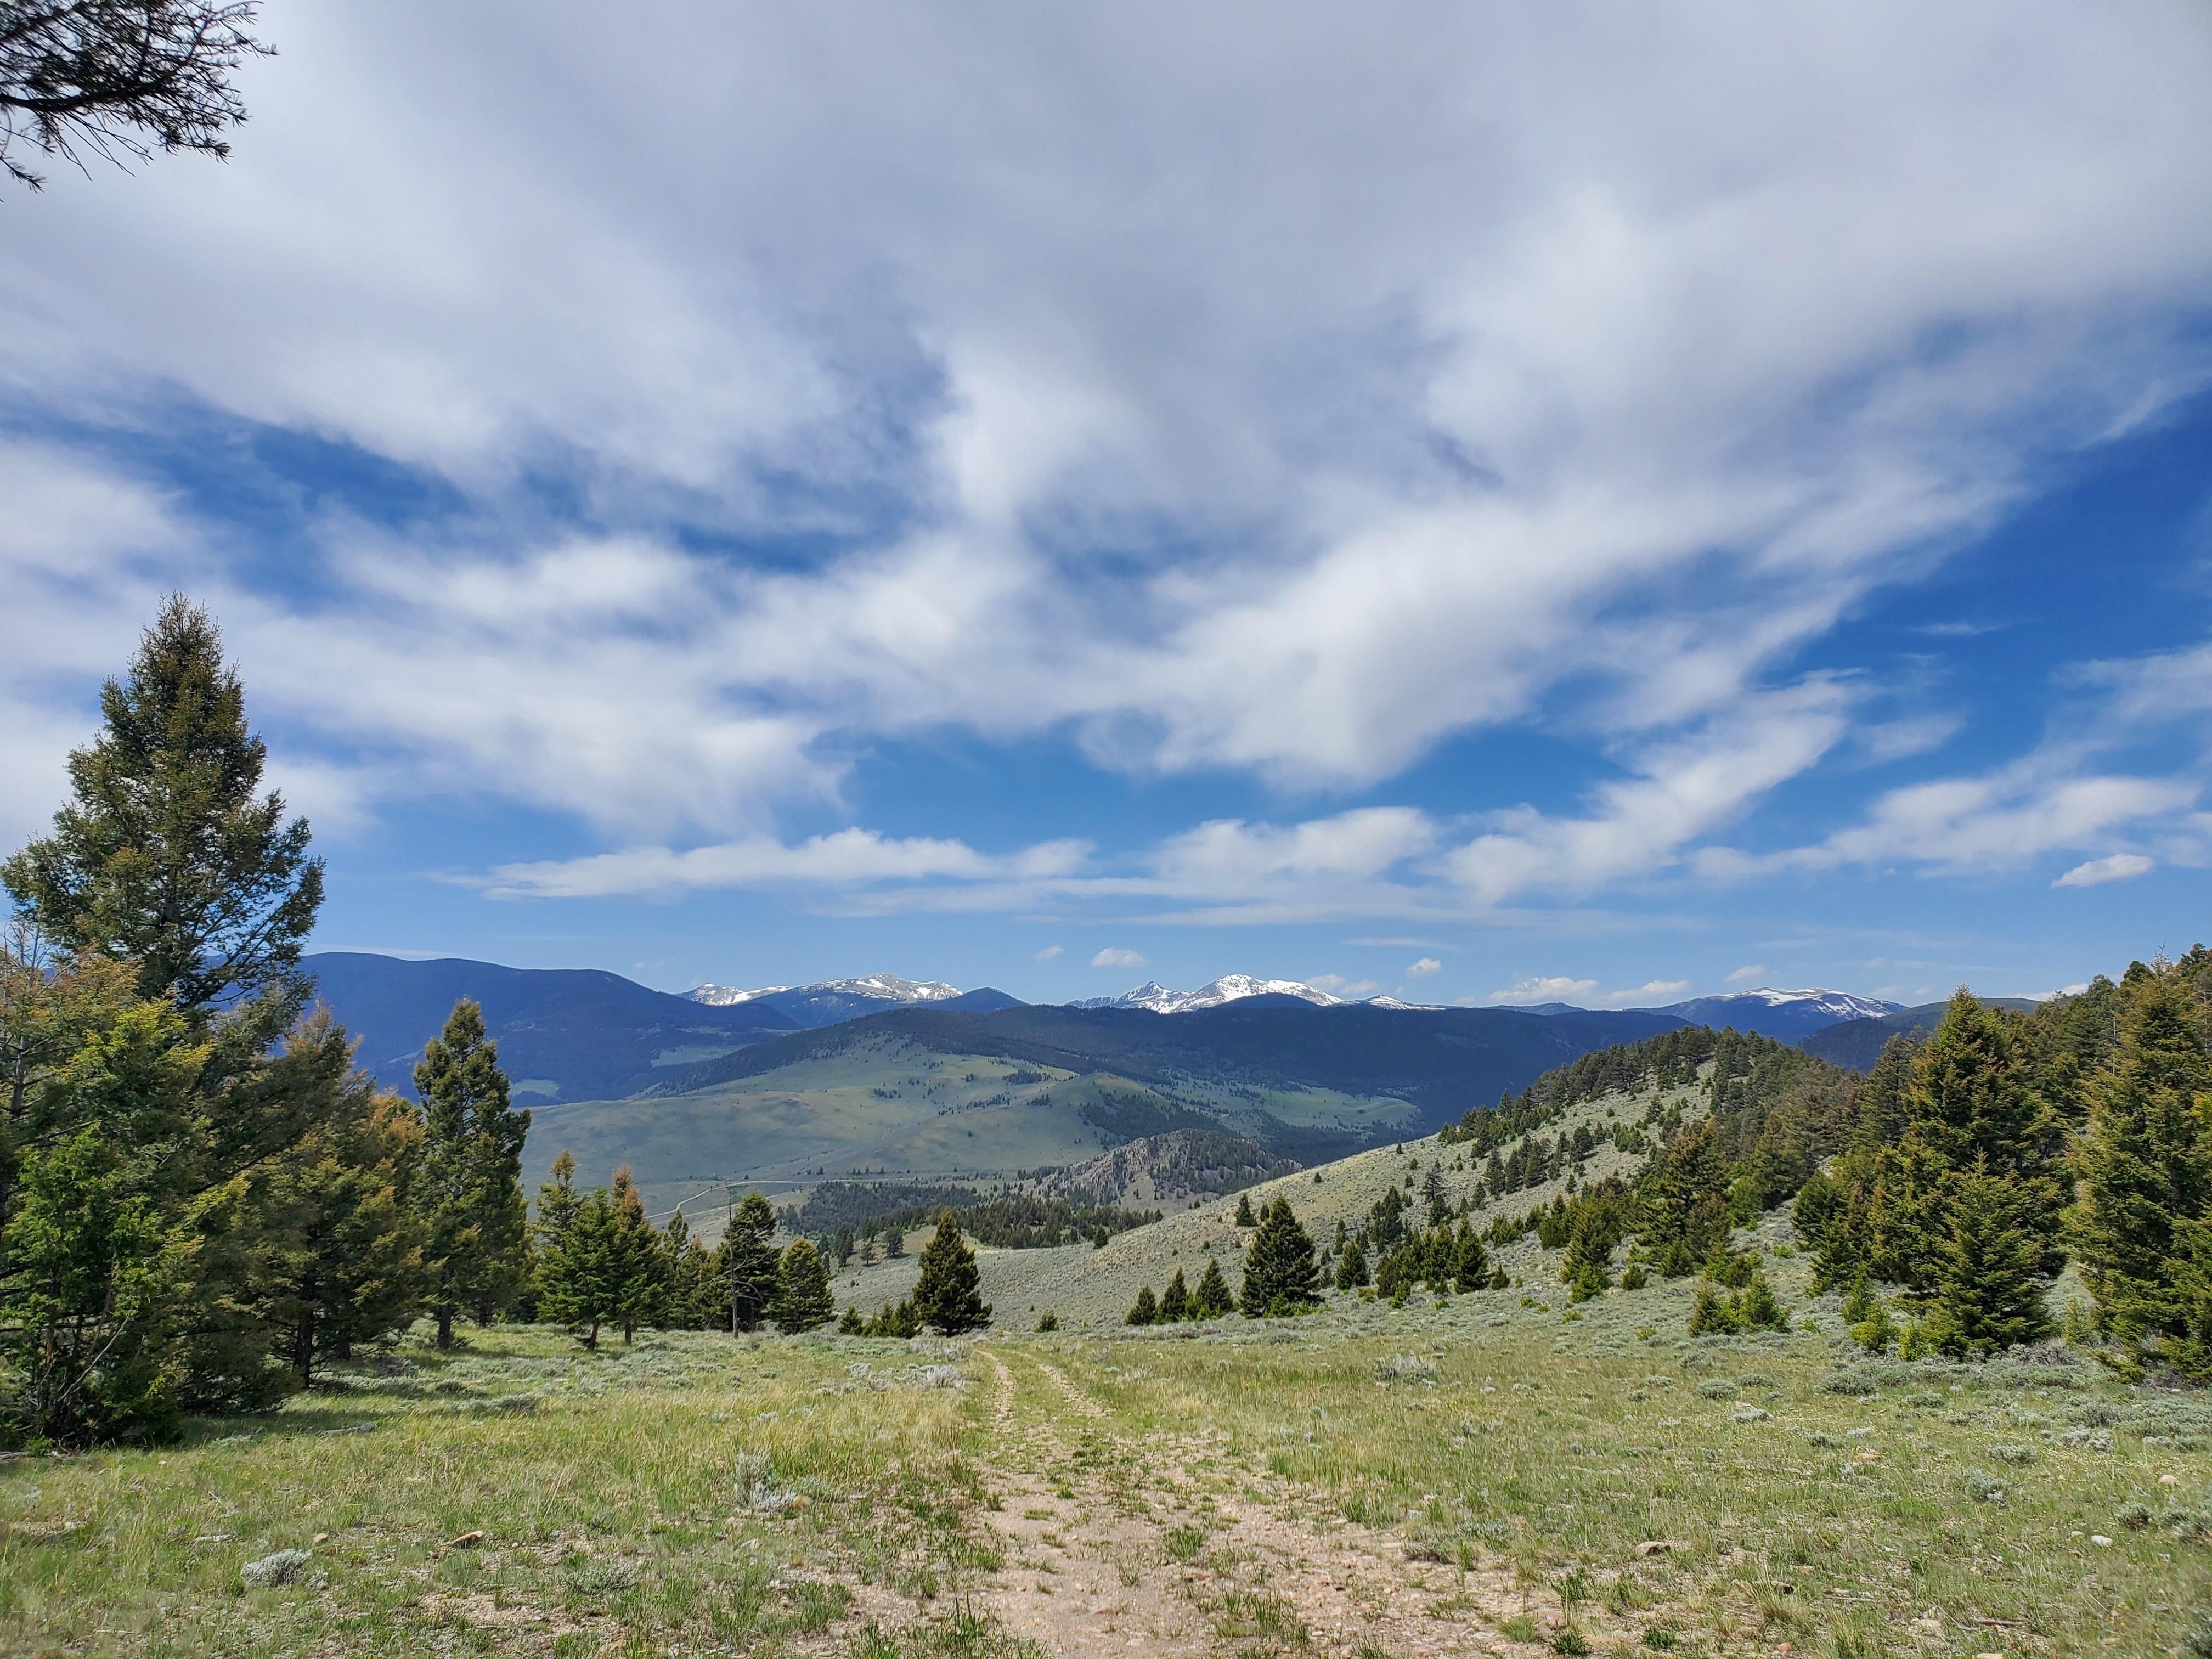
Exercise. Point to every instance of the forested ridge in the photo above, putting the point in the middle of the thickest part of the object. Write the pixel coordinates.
(1944, 1191)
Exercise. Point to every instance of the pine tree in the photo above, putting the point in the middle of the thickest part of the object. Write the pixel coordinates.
(341, 1243)
(1145, 1310)
(1989, 1294)
(1175, 1301)
(746, 1262)
(1432, 1190)
(1351, 1266)
(1211, 1299)
(948, 1297)
(104, 1124)
(803, 1300)
(2145, 1167)
(1280, 1274)
(1757, 1308)
(468, 1187)
(638, 1264)
(693, 1299)
(167, 858)
(1685, 1206)
(580, 1271)
(1244, 1216)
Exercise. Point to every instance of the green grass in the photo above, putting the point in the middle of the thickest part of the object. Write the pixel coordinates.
(604, 1485)
(712, 1496)
(1835, 1512)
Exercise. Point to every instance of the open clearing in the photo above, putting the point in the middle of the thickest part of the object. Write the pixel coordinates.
(1481, 1477)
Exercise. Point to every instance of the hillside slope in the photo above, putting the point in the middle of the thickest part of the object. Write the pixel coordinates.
(563, 1033)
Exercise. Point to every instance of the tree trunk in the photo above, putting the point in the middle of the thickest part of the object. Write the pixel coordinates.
(303, 1335)
(443, 1312)
(591, 1337)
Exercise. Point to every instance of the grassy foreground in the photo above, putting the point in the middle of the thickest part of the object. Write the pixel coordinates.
(1506, 1479)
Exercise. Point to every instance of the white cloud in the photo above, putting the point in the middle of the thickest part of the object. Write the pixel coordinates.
(804, 282)
(2120, 867)
(849, 857)
(1338, 986)
(1049, 952)
(1676, 792)
(1423, 967)
(1652, 991)
(1541, 988)
(1113, 956)
(1748, 972)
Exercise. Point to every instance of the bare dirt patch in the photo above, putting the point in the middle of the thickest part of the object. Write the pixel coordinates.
(1115, 1544)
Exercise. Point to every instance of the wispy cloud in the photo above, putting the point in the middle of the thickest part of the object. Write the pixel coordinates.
(1556, 988)
(1114, 957)
(1748, 972)
(1338, 986)
(1657, 990)
(2119, 867)
(1049, 952)
(1423, 967)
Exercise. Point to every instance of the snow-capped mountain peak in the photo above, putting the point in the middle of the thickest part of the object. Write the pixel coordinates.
(1836, 1004)
(728, 996)
(1157, 999)
(882, 988)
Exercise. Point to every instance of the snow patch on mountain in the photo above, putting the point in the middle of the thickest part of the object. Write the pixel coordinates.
(1833, 1005)
(1155, 998)
(728, 996)
(883, 988)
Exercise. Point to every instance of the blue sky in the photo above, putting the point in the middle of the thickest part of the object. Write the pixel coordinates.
(1486, 509)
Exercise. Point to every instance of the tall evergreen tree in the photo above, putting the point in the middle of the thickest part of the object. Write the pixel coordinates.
(1432, 1191)
(638, 1268)
(169, 859)
(747, 1262)
(97, 1239)
(470, 1188)
(1470, 1265)
(2145, 1165)
(948, 1297)
(1175, 1301)
(1988, 1289)
(694, 1299)
(802, 1299)
(168, 856)
(1146, 1311)
(344, 1246)
(1351, 1270)
(580, 1274)
(1211, 1299)
(1280, 1276)
(1685, 1205)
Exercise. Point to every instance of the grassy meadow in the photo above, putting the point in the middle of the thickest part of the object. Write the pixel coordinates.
(1496, 1473)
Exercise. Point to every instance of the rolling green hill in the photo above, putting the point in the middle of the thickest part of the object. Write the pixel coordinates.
(929, 1091)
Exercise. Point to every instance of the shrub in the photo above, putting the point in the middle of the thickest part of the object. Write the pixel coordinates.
(274, 1571)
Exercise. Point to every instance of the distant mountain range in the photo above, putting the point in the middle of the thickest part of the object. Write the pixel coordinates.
(574, 1035)
(811, 1007)
(1788, 1015)
(1783, 1014)
(563, 1033)
(1155, 998)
